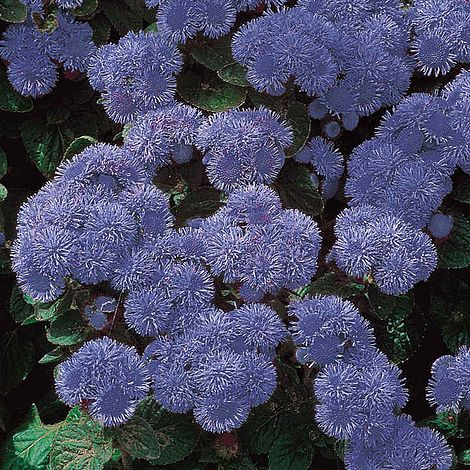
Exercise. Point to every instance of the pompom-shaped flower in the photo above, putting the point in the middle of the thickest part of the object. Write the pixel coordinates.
(161, 135)
(136, 75)
(108, 377)
(326, 328)
(249, 143)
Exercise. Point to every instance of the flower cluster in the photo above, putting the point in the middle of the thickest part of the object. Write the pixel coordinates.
(98, 220)
(33, 55)
(360, 391)
(349, 54)
(327, 329)
(441, 31)
(37, 6)
(181, 20)
(136, 75)
(374, 242)
(327, 162)
(106, 377)
(220, 365)
(243, 147)
(449, 387)
(253, 241)
(167, 134)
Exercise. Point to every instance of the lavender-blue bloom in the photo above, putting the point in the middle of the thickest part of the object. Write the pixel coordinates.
(440, 225)
(164, 134)
(108, 377)
(136, 75)
(243, 147)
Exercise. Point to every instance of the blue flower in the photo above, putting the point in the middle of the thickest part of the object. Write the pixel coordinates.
(109, 377)
(191, 284)
(243, 147)
(440, 225)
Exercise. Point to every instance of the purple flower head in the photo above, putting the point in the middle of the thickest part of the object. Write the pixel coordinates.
(326, 328)
(108, 376)
(243, 147)
(136, 75)
(191, 284)
(440, 225)
(158, 136)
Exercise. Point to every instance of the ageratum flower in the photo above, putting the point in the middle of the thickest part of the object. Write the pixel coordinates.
(243, 147)
(163, 135)
(33, 55)
(107, 377)
(181, 20)
(373, 242)
(326, 328)
(449, 386)
(136, 75)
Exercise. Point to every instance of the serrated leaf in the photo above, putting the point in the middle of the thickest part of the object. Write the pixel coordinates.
(101, 29)
(137, 438)
(29, 446)
(296, 189)
(20, 310)
(3, 163)
(454, 252)
(176, 433)
(234, 74)
(10, 99)
(456, 329)
(67, 330)
(12, 11)
(298, 118)
(333, 284)
(3, 192)
(16, 360)
(213, 53)
(390, 306)
(52, 310)
(45, 144)
(201, 202)
(292, 450)
(86, 8)
(56, 355)
(261, 430)
(213, 95)
(80, 444)
(78, 145)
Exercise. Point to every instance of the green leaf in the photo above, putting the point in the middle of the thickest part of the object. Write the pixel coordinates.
(16, 360)
(234, 74)
(456, 330)
(261, 430)
(137, 438)
(176, 433)
(201, 202)
(3, 163)
(78, 145)
(213, 95)
(298, 118)
(45, 144)
(67, 330)
(293, 449)
(80, 444)
(10, 99)
(334, 284)
(29, 446)
(86, 8)
(52, 310)
(101, 29)
(454, 252)
(464, 457)
(12, 11)
(21, 311)
(3, 192)
(446, 423)
(390, 306)
(124, 16)
(295, 187)
(213, 53)
(56, 355)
